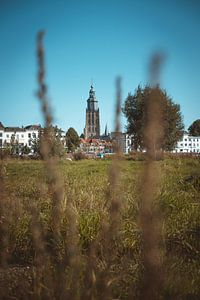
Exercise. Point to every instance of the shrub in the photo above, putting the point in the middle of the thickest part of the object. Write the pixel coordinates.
(79, 155)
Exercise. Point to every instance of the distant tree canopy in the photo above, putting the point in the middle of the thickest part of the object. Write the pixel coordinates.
(54, 141)
(135, 110)
(82, 136)
(72, 139)
(194, 129)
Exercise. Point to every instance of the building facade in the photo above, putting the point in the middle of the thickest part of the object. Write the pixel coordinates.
(21, 136)
(123, 140)
(188, 144)
(92, 124)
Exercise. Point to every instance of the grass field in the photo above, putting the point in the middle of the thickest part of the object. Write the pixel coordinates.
(31, 255)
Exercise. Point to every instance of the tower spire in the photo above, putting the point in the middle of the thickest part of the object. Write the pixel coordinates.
(106, 130)
(92, 126)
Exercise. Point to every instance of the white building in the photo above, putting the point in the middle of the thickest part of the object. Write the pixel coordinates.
(124, 140)
(188, 144)
(23, 136)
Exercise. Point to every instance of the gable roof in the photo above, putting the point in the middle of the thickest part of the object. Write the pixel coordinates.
(15, 129)
(33, 127)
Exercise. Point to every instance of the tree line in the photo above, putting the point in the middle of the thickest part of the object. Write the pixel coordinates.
(136, 113)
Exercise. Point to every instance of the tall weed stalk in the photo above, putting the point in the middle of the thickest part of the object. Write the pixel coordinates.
(149, 215)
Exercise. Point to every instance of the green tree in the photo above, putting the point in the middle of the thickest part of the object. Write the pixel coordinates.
(14, 145)
(82, 136)
(54, 142)
(194, 128)
(25, 150)
(36, 145)
(58, 142)
(72, 139)
(135, 110)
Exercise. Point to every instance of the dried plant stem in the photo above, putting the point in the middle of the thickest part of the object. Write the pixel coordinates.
(70, 258)
(110, 229)
(114, 176)
(149, 218)
(55, 184)
(72, 254)
(3, 218)
(54, 181)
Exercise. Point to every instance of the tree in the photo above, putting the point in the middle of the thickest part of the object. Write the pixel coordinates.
(72, 139)
(194, 129)
(53, 136)
(57, 148)
(135, 110)
(14, 145)
(36, 144)
(25, 150)
(82, 136)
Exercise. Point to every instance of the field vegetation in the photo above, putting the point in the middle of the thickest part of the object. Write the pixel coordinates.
(87, 258)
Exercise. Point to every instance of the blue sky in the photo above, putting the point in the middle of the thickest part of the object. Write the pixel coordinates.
(96, 40)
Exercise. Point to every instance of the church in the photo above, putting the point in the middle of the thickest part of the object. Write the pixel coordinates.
(92, 124)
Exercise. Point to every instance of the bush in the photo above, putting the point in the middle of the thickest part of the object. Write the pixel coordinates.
(4, 153)
(79, 155)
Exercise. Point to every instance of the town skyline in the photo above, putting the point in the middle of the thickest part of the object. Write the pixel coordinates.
(96, 41)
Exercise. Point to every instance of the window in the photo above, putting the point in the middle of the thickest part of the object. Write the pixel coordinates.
(189, 140)
(29, 135)
(29, 143)
(34, 135)
(1, 143)
(7, 135)
(22, 136)
(181, 144)
(0, 134)
(190, 144)
(185, 144)
(186, 140)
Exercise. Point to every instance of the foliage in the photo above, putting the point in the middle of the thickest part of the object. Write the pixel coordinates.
(82, 136)
(135, 110)
(4, 152)
(56, 146)
(72, 139)
(36, 144)
(25, 150)
(14, 145)
(79, 155)
(194, 128)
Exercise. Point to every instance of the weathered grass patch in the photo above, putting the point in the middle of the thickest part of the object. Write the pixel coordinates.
(86, 186)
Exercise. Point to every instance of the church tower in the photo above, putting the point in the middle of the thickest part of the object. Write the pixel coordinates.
(92, 125)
